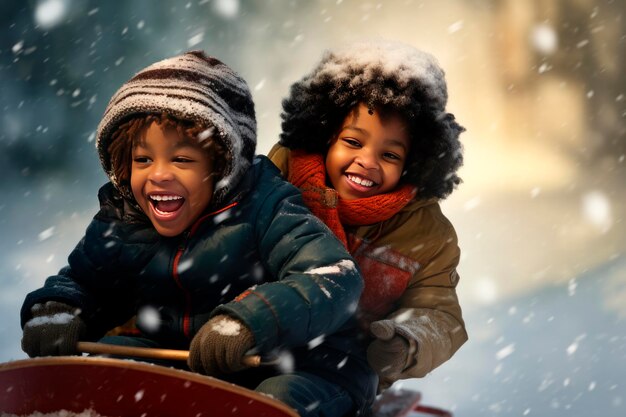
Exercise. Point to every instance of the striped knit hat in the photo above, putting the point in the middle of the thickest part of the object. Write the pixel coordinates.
(193, 87)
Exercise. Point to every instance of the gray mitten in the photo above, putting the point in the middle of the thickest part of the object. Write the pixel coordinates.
(219, 346)
(389, 352)
(54, 330)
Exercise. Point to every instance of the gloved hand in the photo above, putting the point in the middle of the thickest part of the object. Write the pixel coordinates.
(54, 330)
(389, 352)
(219, 346)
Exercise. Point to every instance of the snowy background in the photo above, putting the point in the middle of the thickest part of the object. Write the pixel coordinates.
(540, 216)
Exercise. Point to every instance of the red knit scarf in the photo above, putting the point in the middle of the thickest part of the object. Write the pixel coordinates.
(308, 172)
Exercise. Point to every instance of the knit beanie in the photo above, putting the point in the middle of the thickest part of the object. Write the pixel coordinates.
(193, 87)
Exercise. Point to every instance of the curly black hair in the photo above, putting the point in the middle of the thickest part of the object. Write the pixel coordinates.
(391, 79)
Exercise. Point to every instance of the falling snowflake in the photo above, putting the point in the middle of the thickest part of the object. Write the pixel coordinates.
(455, 27)
(582, 43)
(17, 47)
(225, 290)
(260, 85)
(596, 209)
(185, 265)
(46, 234)
(219, 218)
(50, 13)
(227, 9)
(544, 68)
(139, 395)
(485, 290)
(571, 287)
(544, 39)
(535, 192)
(316, 342)
(285, 362)
(472, 204)
(195, 39)
(342, 363)
(572, 348)
(149, 318)
(505, 351)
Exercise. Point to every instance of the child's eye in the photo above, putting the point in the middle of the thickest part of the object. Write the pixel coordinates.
(352, 142)
(183, 159)
(392, 156)
(141, 159)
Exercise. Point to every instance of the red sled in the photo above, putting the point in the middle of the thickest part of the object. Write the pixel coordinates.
(123, 388)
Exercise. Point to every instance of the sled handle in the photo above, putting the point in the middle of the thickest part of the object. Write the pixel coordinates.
(152, 353)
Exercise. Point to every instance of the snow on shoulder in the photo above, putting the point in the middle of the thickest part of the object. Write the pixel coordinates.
(334, 269)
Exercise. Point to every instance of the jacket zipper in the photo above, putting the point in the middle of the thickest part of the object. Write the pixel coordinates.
(176, 275)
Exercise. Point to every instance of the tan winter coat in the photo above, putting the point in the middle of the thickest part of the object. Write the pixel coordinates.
(409, 268)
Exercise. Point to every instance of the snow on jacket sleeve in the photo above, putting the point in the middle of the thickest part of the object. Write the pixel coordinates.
(317, 283)
(97, 278)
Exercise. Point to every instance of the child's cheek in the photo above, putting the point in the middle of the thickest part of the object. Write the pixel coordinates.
(136, 189)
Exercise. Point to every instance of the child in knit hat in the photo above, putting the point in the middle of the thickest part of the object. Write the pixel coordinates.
(367, 139)
(208, 246)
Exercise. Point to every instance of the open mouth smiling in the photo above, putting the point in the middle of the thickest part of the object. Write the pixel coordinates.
(166, 204)
(363, 182)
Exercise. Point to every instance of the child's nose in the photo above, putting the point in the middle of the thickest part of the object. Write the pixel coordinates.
(161, 172)
(367, 159)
